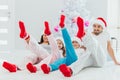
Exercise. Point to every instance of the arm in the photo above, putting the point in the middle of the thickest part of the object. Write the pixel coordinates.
(111, 52)
(54, 47)
(52, 41)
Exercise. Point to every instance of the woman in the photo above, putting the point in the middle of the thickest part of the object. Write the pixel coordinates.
(40, 50)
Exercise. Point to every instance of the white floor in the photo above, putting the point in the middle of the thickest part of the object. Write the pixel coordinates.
(109, 72)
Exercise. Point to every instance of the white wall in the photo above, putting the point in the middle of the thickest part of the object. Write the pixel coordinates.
(97, 7)
(113, 13)
(119, 14)
(35, 12)
(113, 17)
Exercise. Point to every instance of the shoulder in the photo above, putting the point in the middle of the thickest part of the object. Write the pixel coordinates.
(106, 35)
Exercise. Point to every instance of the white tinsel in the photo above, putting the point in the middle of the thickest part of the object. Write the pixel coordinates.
(72, 9)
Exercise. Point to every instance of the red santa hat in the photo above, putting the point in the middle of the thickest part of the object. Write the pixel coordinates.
(77, 39)
(101, 21)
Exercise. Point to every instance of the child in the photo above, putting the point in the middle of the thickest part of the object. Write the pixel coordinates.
(61, 46)
(70, 52)
(55, 50)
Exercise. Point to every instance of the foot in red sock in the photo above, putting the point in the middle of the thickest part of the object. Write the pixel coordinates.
(66, 71)
(62, 20)
(80, 24)
(23, 33)
(47, 30)
(10, 67)
(45, 68)
(31, 68)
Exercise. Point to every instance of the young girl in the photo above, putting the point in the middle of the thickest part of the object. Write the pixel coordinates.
(70, 51)
(57, 50)
(61, 46)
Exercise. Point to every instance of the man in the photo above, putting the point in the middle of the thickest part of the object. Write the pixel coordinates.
(99, 32)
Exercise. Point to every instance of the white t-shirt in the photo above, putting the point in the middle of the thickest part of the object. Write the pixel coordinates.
(47, 47)
(61, 53)
(79, 52)
(103, 39)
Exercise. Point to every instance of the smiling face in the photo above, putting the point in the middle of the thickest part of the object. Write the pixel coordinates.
(60, 44)
(45, 39)
(76, 44)
(97, 29)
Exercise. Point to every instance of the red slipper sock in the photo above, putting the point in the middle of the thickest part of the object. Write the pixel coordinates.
(10, 67)
(45, 68)
(23, 33)
(66, 71)
(80, 24)
(47, 29)
(31, 68)
(62, 20)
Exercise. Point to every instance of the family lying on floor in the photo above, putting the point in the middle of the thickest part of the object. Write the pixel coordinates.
(68, 54)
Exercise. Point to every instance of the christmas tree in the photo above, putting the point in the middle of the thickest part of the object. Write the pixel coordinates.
(72, 9)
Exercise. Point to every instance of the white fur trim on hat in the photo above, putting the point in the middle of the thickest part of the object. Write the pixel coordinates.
(100, 21)
(77, 39)
(60, 38)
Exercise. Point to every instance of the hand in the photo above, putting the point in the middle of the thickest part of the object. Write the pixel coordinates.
(74, 20)
(117, 63)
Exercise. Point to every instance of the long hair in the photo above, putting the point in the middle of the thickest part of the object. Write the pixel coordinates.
(64, 51)
(41, 39)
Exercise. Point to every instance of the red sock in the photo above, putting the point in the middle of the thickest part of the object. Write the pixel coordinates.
(31, 68)
(45, 68)
(23, 33)
(10, 67)
(47, 30)
(66, 71)
(62, 19)
(80, 24)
